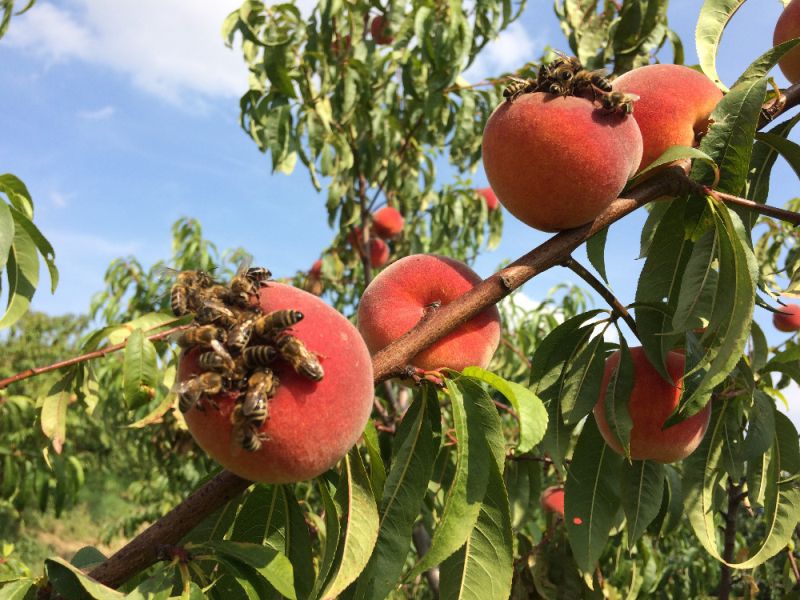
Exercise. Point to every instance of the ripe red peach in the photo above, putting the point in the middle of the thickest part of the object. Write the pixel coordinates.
(316, 269)
(387, 222)
(787, 28)
(379, 28)
(558, 162)
(552, 499)
(652, 401)
(673, 108)
(378, 253)
(788, 319)
(311, 425)
(489, 197)
(407, 290)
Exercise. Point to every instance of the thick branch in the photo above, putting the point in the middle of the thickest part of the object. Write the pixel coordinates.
(598, 287)
(169, 529)
(84, 357)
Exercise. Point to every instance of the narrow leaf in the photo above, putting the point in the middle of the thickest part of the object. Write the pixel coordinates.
(140, 370)
(642, 493)
(714, 16)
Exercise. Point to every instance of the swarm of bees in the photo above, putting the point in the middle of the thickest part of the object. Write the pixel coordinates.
(565, 76)
(239, 345)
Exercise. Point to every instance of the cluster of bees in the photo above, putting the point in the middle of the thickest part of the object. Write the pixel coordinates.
(565, 76)
(239, 343)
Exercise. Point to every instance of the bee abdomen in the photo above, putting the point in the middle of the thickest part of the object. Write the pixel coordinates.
(259, 356)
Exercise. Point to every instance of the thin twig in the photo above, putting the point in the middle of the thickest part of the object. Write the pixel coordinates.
(520, 354)
(734, 499)
(88, 356)
(793, 564)
(604, 292)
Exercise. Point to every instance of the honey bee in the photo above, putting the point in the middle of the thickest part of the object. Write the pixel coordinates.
(185, 291)
(276, 321)
(259, 356)
(262, 386)
(244, 435)
(303, 361)
(517, 87)
(591, 84)
(239, 335)
(214, 311)
(191, 390)
(618, 102)
(246, 283)
(199, 335)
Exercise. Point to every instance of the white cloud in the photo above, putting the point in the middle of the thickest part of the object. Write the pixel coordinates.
(59, 199)
(512, 49)
(97, 115)
(75, 245)
(170, 48)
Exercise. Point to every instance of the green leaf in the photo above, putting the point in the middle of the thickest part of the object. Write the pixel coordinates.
(532, 413)
(642, 492)
(87, 557)
(23, 277)
(733, 311)
(156, 587)
(16, 590)
(480, 440)
(333, 515)
(297, 542)
(730, 138)
(6, 233)
(698, 284)
(377, 471)
(44, 247)
(54, 412)
(781, 498)
(591, 497)
(617, 397)
(764, 63)
(761, 163)
(596, 251)
(482, 569)
(255, 512)
(140, 370)
(271, 564)
(672, 154)
(413, 456)
(714, 16)
(658, 288)
(214, 526)
(18, 194)
(760, 427)
(70, 582)
(582, 379)
(360, 525)
(788, 149)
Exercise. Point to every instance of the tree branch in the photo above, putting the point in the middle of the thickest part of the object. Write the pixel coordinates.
(726, 578)
(84, 357)
(606, 294)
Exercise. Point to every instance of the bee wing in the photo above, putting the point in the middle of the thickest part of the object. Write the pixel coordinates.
(163, 272)
(244, 264)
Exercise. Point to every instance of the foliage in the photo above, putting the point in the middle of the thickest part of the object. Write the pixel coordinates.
(446, 482)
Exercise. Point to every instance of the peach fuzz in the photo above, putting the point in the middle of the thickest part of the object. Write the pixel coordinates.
(674, 105)
(651, 403)
(788, 319)
(558, 162)
(311, 425)
(787, 28)
(401, 295)
(387, 222)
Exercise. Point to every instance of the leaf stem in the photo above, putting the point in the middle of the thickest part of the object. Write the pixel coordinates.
(605, 293)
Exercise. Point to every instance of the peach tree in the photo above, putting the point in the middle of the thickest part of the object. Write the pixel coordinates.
(441, 496)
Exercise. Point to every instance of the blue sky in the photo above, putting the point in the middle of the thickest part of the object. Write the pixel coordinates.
(123, 116)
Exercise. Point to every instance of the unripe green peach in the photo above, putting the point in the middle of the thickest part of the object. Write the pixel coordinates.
(673, 108)
(558, 162)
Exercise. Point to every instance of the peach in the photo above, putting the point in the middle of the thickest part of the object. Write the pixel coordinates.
(379, 28)
(407, 290)
(652, 401)
(557, 162)
(489, 197)
(378, 253)
(788, 28)
(552, 499)
(788, 319)
(311, 424)
(316, 269)
(387, 222)
(673, 108)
